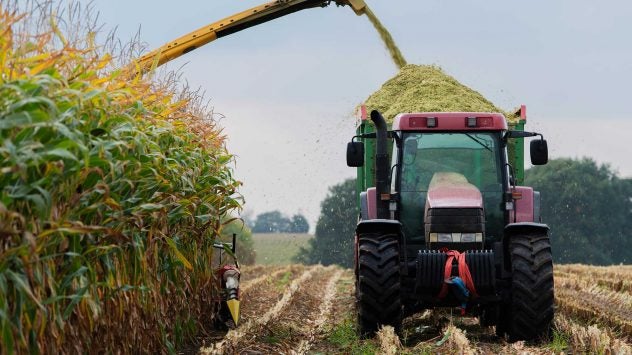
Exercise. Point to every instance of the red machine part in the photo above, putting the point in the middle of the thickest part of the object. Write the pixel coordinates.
(450, 121)
(523, 209)
(370, 199)
(464, 273)
(221, 271)
(229, 278)
(451, 190)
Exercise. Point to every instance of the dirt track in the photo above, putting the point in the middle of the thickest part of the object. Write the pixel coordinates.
(310, 309)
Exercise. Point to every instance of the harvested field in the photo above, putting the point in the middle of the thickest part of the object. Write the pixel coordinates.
(616, 278)
(587, 300)
(296, 309)
(279, 248)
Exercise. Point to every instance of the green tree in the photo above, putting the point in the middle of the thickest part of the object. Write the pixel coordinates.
(333, 242)
(271, 222)
(589, 210)
(299, 224)
(275, 222)
(245, 245)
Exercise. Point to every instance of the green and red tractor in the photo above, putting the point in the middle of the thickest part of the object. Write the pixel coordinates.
(443, 222)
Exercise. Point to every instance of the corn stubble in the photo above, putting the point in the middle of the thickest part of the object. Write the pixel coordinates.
(388, 340)
(235, 338)
(584, 299)
(113, 186)
(591, 338)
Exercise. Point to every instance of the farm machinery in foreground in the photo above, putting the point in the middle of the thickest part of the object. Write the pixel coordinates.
(444, 224)
(227, 311)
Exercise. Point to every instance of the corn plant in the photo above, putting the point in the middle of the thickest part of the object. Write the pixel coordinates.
(112, 189)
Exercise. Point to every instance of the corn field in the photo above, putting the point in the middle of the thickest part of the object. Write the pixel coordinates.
(113, 186)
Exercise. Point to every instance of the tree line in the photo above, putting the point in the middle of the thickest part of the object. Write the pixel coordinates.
(589, 209)
(587, 206)
(276, 222)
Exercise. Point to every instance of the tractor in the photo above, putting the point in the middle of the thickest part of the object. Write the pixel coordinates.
(444, 224)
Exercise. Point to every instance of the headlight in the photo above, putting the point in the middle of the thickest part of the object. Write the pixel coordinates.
(445, 237)
(468, 237)
(456, 237)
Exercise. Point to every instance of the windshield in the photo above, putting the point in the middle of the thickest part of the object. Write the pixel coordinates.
(466, 156)
(473, 155)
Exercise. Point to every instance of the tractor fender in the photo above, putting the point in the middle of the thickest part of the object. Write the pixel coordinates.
(525, 227)
(368, 209)
(381, 226)
(537, 203)
(520, 228)
(364, 205)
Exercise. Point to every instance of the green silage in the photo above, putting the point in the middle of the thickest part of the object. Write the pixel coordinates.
(426, 88)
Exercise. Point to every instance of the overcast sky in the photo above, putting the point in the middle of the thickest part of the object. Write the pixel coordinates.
(288, 88)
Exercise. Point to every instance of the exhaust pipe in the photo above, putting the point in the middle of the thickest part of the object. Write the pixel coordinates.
(382, 170)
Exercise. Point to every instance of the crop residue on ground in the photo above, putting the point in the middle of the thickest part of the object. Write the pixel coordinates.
(314, 313)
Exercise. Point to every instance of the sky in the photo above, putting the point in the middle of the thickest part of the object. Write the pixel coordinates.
(286, 90)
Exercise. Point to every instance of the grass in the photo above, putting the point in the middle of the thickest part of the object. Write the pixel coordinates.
(277, 334)
(278, 248)
(344, 336)
(284, 281)
(559, 343)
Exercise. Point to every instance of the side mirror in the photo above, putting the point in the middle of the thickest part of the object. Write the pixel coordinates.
(539, 152)
(355, 154)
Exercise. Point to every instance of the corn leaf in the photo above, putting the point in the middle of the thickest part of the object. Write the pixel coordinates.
(178, 254)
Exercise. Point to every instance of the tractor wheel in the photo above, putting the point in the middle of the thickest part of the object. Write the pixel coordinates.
(530, 312)
(489, 316)
(378, 294)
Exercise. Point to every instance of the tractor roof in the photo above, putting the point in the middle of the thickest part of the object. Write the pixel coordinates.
(450, 121)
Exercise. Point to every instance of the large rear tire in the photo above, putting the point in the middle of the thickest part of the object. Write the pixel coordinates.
(530, 313)
(378, 291)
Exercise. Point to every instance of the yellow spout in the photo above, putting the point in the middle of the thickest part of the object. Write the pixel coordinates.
(233, 307)
(358, 6)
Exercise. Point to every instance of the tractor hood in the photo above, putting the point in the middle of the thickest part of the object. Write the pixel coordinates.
(452, 190)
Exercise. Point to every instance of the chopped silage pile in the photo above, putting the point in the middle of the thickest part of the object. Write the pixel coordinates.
(426, 88)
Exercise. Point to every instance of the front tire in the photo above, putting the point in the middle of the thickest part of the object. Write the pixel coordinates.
(530, 313)
(378, 290)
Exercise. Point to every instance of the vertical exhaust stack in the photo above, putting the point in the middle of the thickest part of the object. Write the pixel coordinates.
(382, 170)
